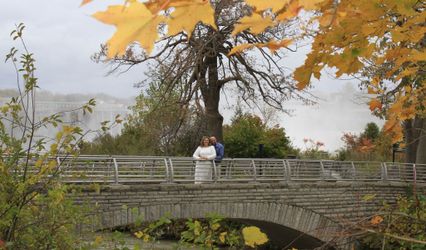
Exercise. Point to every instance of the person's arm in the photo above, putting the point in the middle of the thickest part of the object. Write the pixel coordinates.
(212, 153)
(196, 154)
(220, 153)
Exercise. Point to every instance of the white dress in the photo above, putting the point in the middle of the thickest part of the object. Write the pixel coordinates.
(203, 168)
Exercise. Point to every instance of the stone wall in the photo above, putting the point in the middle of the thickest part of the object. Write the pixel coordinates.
(316, 209)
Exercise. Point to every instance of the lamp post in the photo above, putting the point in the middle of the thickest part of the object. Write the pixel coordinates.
(395, 148)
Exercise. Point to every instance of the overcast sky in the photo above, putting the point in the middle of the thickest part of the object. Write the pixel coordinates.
(64, 36)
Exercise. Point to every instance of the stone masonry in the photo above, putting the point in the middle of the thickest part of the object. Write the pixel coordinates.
(317, 209)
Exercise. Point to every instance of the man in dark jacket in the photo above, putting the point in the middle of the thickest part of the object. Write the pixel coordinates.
(220, 149)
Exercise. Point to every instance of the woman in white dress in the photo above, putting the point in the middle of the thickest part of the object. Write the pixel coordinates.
(204, 155)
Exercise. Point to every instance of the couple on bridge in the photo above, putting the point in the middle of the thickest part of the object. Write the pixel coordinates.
(210, 149)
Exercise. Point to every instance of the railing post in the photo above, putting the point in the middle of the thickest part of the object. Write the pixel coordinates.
(167, 171)
(215, 175)
(353, 170)
(384, 172)
(288, 170)
(171, 173)
(322, 170)
(231, 169)
(254, 170)
(285, 177)
(58, 161)
(414, 173)
(115, 170)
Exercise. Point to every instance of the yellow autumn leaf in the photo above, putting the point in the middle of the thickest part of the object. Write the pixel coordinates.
(253, 236)
(261, 5)
(371, 90)
(408, 112)
(326, 19)
(98, 240)
(139, 234)
(188, 14)
(134, 23)
(271, 45)
(375, 104)
(157, 5)
(304, 73)
(406, 7)
(390, 124)
(255, 23)
(310, 4)
(222, 237)
(377, 219)
(291, 11)
(146, 238)
(197, 228)
(418, 55)
(407, 72)
(396, 107)
(215, 226)
(52, 164)
(276, 45)
(368, 197)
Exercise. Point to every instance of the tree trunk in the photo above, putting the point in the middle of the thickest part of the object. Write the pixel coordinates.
(211, 96)
(421, 147)
(411, 142)
(415, 140)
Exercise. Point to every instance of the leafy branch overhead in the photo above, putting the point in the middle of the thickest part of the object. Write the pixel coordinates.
(380, 42)
(141, 22)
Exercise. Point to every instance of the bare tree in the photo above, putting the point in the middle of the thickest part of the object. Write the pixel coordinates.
(199, 66)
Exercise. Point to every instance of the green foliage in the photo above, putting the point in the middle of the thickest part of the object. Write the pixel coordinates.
(371, 131)
(247, 132)
(402, 226)
(211, 232)
(155, 230)
(35, 211)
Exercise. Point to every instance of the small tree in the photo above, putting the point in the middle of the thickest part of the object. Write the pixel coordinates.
(35, 212)
(246, 132)
(371, 131)
(366, 145)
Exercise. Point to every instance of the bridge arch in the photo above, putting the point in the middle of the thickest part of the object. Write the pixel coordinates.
(313, 208)
(293, 217)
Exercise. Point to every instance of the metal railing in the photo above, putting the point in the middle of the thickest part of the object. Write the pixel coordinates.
(153, 169)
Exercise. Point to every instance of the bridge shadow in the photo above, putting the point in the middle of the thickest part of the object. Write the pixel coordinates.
(282, 237)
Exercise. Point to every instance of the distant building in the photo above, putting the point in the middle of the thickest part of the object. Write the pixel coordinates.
(72, 115)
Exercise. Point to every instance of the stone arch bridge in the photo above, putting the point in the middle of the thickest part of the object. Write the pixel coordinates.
(314, 198)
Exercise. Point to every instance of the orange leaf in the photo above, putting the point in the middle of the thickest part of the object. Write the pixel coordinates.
(375, 104)
(276, 45)
(291, 11)
(371, 90)
(303, 76)
(376, 220)
(389, 125)
(85, 2)
(240, 48)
